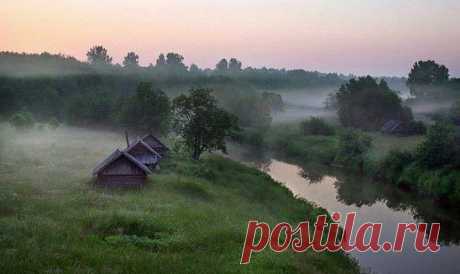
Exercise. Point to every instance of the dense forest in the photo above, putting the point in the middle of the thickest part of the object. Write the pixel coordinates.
(98, 92)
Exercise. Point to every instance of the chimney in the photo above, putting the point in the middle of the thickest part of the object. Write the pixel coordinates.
(127, 138)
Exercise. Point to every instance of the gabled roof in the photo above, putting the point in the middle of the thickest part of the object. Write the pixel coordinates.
(156, 139)
(114, 156)
(139, 141)
(391, 126)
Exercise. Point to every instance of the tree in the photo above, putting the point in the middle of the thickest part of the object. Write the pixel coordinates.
(194, 69)
(149, 110)
(201, 123)
(316, 126)
(131, 60)
(175, 62)
(97, 55)
(234, 65)
(428, 73)
(222, 66)
(161, 61)
(424, 75)
(366, 104)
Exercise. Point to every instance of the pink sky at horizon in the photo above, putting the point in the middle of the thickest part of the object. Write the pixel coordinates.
(377, 37)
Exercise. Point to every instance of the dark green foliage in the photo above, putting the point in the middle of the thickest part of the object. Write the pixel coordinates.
(98, 56)
(289, 141)
(251, 136)
(90, 109)
(22, 120)
(352, 148)
(316, 126)
(438, 148)
(202, 124)
(414, 128)
(432, 169)
(149, 110)
(366, 104)
(428, 73)
(424, 75)
(252, 111)
(131, 60)
(392, 166)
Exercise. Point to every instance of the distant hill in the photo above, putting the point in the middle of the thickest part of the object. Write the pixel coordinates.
(44, 64)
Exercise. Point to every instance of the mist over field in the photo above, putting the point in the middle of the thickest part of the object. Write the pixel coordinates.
(148, 136)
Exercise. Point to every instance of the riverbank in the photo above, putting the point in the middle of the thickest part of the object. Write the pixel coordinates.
(339, 191)
(392, 159)
(191, 216)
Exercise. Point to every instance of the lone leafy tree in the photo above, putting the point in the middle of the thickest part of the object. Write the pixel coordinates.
(426, 74)
(201, 123)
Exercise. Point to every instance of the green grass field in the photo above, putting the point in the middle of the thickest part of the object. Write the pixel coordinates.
(190, 218)
(288, 139)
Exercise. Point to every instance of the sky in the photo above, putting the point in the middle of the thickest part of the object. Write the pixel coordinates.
(376, 37)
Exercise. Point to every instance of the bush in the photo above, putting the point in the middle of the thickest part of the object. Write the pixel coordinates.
(22, 120)
(316, 126)
(415, 128)
(353, 147)
(438, 148)
(53, 123)
(392, 166)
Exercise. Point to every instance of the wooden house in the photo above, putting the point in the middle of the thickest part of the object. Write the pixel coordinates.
(156, 144)
(144, 153)
(121, 169)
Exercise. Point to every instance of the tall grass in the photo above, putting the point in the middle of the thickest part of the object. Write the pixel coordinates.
(190, 218)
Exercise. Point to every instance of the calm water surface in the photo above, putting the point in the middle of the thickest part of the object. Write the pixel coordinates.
(373, 202)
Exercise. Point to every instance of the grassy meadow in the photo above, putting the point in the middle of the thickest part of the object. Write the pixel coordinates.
(289, 140)
(189, 218)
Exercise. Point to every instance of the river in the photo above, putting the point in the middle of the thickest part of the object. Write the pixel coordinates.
(373, 202)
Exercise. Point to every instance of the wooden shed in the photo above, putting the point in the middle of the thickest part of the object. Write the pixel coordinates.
(156, 144)
(392, 127)
(144, 153)
(121, 169)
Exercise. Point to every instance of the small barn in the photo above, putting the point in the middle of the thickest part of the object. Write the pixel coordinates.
(392, 127)
(121, 169)
(156, 144)
(144, 153)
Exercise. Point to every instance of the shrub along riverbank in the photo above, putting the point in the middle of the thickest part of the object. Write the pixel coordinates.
(191, 217)
(429, 165)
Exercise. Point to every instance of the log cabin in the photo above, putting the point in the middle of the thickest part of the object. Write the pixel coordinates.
(156, 144)
(144, 153)
(121, 169)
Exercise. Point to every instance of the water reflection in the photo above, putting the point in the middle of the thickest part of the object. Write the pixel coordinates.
(374, 202)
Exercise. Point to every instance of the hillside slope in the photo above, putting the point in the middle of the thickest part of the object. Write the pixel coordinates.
(190, 218)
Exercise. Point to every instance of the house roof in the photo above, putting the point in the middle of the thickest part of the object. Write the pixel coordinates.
(391, 125)
(139, 141)
(114, 156)
(155, 138)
